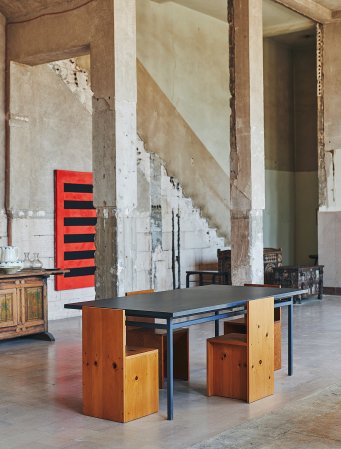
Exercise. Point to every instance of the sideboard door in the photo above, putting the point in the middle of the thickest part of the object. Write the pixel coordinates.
(8, 310)
(33, 307)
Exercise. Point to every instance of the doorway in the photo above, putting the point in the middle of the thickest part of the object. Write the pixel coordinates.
(291, 155)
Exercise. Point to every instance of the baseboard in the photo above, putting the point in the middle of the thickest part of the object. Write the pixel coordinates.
(332, 291)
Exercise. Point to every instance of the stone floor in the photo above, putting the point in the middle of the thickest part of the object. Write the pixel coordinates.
(40, 390)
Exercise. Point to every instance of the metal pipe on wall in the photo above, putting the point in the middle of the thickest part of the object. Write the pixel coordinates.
(7, 145)
(178, 256)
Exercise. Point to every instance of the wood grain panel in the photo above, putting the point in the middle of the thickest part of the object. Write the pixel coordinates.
(119, 383)
(238, 325)
(260, 342)
(141, 393)
(226, 366)
(8, 308)
(103, 363)
(149, 339)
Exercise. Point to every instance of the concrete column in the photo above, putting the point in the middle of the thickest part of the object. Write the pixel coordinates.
(247, 140)
(329, 138)
(3, 218)
(113, 66)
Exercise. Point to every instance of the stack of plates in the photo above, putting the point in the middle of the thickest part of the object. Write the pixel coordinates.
(10, 267)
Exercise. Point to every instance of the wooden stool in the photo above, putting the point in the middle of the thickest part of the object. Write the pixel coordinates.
(119, 383)
(157, 339)
(242, 365)
(238, 325)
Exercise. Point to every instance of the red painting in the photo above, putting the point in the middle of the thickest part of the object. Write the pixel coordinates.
(75, 229)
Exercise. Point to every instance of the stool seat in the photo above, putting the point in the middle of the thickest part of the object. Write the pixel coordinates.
(134, 351)
(157, 339)
(233, 339)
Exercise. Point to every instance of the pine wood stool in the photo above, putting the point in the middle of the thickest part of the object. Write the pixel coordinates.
(119, 383)
(157, 339)
(242, 365)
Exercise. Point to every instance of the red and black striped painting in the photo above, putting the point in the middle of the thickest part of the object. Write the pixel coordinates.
(75, 228)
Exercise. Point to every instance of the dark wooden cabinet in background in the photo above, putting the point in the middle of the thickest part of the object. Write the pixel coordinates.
(23, 303)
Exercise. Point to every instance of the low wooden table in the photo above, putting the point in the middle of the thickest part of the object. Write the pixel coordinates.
(23, 303)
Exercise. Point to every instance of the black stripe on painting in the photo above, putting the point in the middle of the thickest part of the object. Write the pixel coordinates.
(78, 205)
(79, 238)
(78, 188)
(85, 271)
(81, 221)
(79, 255)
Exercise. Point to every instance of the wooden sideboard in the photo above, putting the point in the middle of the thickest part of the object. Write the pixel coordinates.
(300, 276)
(23, 304)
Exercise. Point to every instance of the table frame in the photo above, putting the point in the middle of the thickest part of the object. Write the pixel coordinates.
(228, 310)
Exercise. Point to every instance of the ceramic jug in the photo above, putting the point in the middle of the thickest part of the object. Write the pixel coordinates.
(9, 254)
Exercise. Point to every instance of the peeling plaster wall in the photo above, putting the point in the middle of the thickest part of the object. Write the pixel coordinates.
(186, 53)
(291, 150)
(49, 130)
(52, 131)
(106, 29)
(3, 221)
(166, 133)
(160, 197)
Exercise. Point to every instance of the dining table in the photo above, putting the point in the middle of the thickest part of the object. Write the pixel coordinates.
(186, 307)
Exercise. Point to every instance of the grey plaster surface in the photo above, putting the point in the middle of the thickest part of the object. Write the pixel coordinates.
(40, 391)
(311, 422)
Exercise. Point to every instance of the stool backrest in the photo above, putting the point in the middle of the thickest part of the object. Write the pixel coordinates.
(137, 318)
(104, 361)
(263, 285)
(260, 347)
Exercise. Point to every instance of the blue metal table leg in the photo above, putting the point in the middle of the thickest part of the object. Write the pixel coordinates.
(170, 379)
(290, 338)
(187, 280)
(216, 325)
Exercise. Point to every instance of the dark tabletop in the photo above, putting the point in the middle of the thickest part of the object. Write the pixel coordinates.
(188, 301)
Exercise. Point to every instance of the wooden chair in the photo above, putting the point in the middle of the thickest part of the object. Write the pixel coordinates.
(239, 365)
(157, 339)
(119, 383)
(238, 325)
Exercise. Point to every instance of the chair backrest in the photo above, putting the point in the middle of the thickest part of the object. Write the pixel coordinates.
(260, 348)
(137, 318)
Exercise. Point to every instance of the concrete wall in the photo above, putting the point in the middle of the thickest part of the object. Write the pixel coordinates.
(329, 241)
(187, 53)
(48, 130)
(306, 151)
(3, 221)
(279, 215)
(291, 150)
(160, 199)
(166, 133)
(53, 131)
